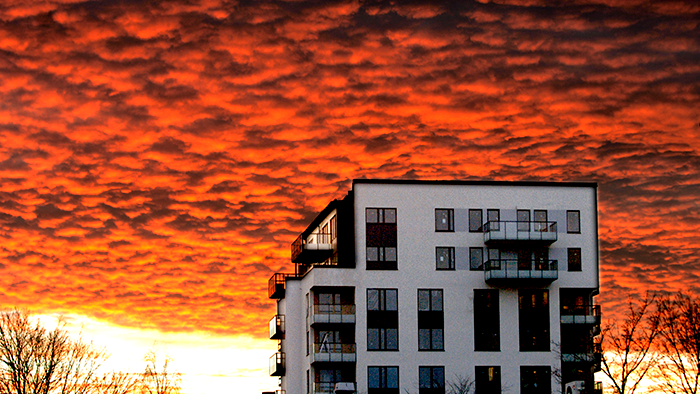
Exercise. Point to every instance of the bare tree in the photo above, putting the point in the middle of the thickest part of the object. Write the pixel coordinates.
(161, 381)
(460, 385)
(627, 346)
(118, 383)
(678, 370)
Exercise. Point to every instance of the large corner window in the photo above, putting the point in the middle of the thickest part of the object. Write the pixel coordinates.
(444, 258)
(574, 259)
(444, 220)
(382, 319)
(431, 320)
(476, 220)
(486, 320)
(534, 320)
(488, 380)
(573, 222)
(381, 238)
(383, 380)
(431, 380)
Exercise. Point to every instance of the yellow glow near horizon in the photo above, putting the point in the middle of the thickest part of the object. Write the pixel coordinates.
(208, 363)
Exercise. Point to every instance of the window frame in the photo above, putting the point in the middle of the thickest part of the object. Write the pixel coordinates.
(450, 250)
(434, 386)
(574, 266)
(523, 225)
(477, 227)
(481, 371)
(473, 249)
(577, 216)
(384, 383)
(389, 308)
(431, 321)
(494, 225)
(450, 220)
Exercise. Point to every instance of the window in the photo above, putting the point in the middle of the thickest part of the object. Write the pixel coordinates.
(535, 380)
(488, 380)
(326, 379)
(573, 222)
(381, 238)
(534, 320)
(444, 258)
(308, 385)
(334, 228)
(444, 219)
(430, 320)
(382, 319)
(431, 380)
(540, 220)
(574, 259)
(493, 216)
(476, 221)
(486, 320)
(476, 259)
(523, 216)
(382, 380)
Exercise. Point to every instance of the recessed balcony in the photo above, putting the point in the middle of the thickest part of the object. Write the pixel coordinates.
(277, 364)
(580, 314)
(514, 232)
(592, 355)
(277, 327)
(315, 248)
(333, 352)
(520, 272)
(334, 313)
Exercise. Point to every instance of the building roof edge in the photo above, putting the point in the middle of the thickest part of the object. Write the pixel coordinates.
(473, 182)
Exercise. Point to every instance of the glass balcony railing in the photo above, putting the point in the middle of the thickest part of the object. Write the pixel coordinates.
(520, 232)
(277, 327)
(334, 352)
(277, 364)
(333, 313)
(580, 314)
(524, 272)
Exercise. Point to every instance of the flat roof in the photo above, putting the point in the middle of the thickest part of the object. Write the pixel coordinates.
(472, 182)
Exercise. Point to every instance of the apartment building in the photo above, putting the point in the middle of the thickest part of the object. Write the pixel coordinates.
(414, 286)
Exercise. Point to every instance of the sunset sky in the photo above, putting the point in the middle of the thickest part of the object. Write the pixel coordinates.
(157, 158)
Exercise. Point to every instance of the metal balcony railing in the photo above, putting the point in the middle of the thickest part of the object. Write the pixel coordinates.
(316, 241)
(514, 231)
(513, 271)
(276, 285)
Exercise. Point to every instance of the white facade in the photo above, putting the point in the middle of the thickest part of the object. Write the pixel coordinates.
(539, 259)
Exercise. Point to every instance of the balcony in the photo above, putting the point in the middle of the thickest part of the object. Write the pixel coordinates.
(276, 285)
(520, 273)
(315, 248)
(333, 388)
(513, 233)
(277, 363)
(277, 327)
(598, 388)
(580, 314)
(333, 352)
(592, 355)
(334, 313)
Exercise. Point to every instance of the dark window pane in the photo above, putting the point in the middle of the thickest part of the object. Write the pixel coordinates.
(573, 222)
(476, 259)
(493, 216)
(574, 259)
(475, 220)
(523, 220)
(445, 258)
(444, 219)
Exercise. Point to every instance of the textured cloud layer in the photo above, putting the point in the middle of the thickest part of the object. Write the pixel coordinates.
(157, 158)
